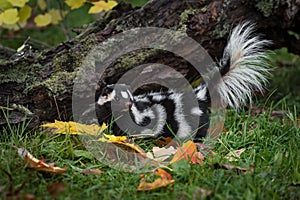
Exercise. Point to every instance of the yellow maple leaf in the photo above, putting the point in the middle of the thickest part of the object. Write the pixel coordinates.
(102, 5)
(113, 138)
(25, 13)
(43, 20)
(120, 142)
(55, 16)
(18, 3)
(10, 16)
(75, 3)
(75, 128)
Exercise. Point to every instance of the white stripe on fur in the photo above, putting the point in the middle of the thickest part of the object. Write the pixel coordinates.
(161, 119)
(184, 128)
(139, 116)
(201, 91)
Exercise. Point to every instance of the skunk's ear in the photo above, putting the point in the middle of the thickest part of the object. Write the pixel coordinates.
(107, 90)
(110, 86)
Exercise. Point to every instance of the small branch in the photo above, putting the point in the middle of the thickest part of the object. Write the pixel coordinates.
(23, 38)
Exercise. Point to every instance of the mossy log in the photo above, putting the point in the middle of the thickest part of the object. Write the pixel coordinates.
(37, 85)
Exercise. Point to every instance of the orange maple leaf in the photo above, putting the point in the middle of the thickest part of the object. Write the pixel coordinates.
(158, 183)
(164, 180)
(189, 152)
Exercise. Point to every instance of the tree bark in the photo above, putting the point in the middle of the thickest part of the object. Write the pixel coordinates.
(37, 85)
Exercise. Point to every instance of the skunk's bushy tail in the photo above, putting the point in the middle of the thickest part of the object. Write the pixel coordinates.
(244, 66)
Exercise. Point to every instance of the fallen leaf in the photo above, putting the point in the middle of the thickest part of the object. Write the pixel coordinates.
(112, 138)
(234, 155)
(164, 180)
(161, 154)
(92, 171)
(188, 151)
(56, 188)
(231, 167)
(158, 183)
(163, 141)
(75, 128)
(120, 141)
(127, 153)
(163, 174)
(39, 165)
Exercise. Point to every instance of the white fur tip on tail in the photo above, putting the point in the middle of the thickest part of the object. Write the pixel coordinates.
(245, 64)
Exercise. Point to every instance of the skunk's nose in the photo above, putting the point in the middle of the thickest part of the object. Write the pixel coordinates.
(128, 104)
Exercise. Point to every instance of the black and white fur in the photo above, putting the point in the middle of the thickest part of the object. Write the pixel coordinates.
(243, 68)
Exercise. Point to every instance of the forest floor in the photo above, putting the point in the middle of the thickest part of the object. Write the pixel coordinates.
(269, 137)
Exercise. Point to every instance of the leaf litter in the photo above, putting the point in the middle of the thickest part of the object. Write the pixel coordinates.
(188, 151)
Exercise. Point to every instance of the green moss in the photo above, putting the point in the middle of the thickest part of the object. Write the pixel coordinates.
(17, 73)
(184, 18)
(21, 73)
(59, 82)
(267, 7)
(220, 30)
(186, 13)
(135, 58)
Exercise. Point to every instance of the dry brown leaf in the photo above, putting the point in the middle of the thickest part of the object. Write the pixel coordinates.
(230, 167)
(164, 141)
(40, 165)
(92, 171)
(161, 154)
(130, 147)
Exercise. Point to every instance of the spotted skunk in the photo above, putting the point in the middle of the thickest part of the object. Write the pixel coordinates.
(243, 68)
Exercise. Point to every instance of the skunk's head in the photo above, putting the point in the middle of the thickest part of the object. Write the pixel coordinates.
(116, 96)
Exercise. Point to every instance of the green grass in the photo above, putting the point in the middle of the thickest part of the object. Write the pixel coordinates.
(272, 147)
